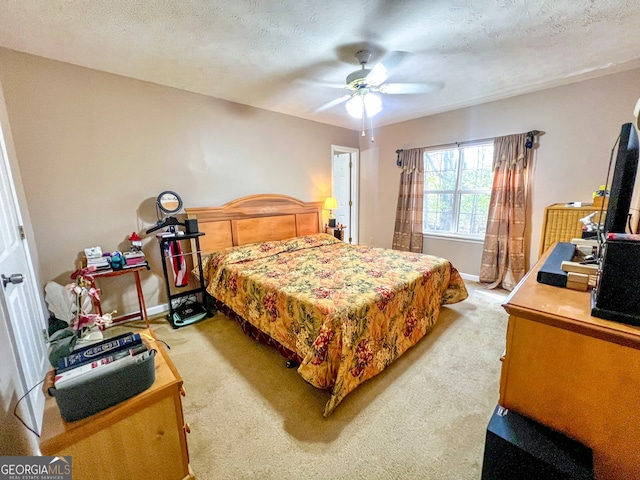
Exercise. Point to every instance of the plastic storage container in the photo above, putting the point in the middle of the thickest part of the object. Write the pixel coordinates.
(104, 391)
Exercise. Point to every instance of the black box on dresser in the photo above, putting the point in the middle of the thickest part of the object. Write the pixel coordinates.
(517, 447)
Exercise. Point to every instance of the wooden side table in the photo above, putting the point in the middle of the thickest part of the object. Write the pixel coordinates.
(142, 437)
(142, 312)
(336, 232)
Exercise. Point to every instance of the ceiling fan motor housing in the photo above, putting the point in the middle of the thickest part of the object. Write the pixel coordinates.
(357, 79)
(363, 56)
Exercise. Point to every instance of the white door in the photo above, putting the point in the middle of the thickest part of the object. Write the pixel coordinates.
(21, 309)
(344, 169)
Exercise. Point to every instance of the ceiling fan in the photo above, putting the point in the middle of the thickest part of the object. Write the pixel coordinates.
(365, 85)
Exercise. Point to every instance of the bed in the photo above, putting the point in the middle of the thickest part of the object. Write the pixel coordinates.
(343, 312)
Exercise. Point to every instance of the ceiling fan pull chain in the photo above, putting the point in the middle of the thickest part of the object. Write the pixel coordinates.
(371, 128)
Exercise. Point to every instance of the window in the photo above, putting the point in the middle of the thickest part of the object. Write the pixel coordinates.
(457, 189)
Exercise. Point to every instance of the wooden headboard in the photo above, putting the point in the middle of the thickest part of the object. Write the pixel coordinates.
(256, 218)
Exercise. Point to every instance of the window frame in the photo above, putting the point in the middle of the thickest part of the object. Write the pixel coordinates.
(456, 193)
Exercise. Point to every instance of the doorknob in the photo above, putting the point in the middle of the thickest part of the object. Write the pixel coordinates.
(15, 279)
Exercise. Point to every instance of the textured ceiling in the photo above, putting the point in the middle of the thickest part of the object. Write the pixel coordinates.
(288, 55)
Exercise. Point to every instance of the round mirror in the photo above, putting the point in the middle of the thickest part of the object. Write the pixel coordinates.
(169, 202)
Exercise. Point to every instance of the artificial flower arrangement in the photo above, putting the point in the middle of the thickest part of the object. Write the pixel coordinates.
(84, 289)
(72, 308)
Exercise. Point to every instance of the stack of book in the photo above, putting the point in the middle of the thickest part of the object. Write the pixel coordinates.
(134, 258)
(101, 262)
(93, 361)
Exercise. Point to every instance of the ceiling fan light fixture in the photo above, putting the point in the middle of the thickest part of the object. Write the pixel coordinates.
(369, 103)
(372, 104)
(354, 106)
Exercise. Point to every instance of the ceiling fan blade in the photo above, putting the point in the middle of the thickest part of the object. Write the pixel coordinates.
(385, 67)
(332, 104)
(377, 75)
(304, 82)
(410, 88)
(392, 60)
(340, 86)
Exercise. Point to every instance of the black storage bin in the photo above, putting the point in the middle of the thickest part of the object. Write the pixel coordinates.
(104, 391)
(516, 447)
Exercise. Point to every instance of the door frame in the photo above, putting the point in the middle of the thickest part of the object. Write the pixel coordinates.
(354, 186)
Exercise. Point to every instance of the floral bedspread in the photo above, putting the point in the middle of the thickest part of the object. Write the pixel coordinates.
(347, 310)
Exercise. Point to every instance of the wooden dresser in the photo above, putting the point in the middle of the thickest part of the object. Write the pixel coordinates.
(561, 223)
(142, 437)
(576, 373)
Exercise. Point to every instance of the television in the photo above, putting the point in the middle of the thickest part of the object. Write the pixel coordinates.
(617, 293)
(623, 181)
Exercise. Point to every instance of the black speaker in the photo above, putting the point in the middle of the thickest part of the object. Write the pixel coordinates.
(191, 225)
(617, 292)
(516, 447)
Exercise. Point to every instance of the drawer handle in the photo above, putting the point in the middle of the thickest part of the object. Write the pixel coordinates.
(183, 392)
(502, 357)
(187, 428)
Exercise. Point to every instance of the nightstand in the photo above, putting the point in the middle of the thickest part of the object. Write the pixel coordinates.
(337, 232)
(144, 436)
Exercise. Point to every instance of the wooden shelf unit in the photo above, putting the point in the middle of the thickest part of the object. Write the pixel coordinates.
(142, 437)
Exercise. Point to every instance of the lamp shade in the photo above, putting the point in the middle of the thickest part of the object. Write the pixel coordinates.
(372, 105)
(330, 203)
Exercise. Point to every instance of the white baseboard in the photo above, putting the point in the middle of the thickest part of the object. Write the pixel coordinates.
(158, 309)
(472, 278)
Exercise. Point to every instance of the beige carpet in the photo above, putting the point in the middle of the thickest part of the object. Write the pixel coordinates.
(425, 417)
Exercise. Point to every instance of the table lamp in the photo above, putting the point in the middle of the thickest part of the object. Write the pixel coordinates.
(331, 204)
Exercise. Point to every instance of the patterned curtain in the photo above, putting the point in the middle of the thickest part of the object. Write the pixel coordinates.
(407, 235)
(503, 262)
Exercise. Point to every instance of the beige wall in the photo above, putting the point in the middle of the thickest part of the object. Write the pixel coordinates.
(96, 149)
(581, 123)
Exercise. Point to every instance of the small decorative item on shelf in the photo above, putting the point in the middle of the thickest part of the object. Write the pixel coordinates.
(135, 256)
(136, 242)
(588, 225)
(601, 197)
(117, 261)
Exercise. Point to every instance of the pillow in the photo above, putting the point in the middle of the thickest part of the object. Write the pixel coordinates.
(255, 251)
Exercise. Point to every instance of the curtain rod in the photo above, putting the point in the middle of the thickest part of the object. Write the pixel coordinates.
(531, 133)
